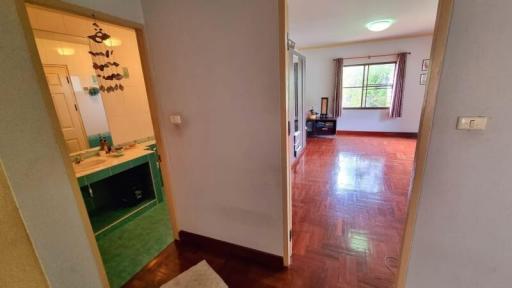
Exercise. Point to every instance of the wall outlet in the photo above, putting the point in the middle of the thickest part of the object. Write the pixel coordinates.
(471, 123)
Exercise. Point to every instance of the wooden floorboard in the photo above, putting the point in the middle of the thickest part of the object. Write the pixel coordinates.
(349, 205)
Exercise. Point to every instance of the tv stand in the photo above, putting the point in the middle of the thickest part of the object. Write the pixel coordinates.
(321, 126)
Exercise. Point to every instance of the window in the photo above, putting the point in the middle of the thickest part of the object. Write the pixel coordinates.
(368, 86)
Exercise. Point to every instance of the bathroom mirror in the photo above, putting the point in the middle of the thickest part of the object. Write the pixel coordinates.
(74, 89)
(86, 115)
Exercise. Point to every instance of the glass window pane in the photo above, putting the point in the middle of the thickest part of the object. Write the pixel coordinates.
(381, 74)
(352, 97)
(353, 76)
(378, 97)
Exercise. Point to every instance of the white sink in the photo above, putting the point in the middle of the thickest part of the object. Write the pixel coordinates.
(90, 163)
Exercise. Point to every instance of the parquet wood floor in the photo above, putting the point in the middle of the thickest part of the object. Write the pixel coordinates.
(349, 204)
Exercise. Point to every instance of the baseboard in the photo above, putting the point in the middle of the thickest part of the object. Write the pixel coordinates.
(271, 261)
(411, 135)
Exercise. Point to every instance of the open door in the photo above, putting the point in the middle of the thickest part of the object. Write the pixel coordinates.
(296, 103)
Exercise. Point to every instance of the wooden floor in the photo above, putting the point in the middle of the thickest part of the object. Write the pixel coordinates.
(349, 204)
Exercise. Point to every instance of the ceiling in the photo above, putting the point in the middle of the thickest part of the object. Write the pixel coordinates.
(62, 26)
(315, 23)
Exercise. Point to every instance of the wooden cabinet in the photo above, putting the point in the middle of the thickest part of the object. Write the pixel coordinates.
(321, 126)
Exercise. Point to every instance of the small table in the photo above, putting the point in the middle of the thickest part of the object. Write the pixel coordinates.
(321, 126)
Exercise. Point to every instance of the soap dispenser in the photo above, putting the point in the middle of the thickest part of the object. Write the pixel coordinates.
(103, 144)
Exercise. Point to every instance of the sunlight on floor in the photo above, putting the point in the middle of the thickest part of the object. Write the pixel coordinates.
(358, 241)
(356, 172)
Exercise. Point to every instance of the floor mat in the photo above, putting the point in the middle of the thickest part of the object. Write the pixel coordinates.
(199, 276)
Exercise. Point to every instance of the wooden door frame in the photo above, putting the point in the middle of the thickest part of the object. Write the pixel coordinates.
(64, 7)
(82, 127)
(437, 53)
(285, 139)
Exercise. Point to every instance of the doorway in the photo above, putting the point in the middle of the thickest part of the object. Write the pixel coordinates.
(351, 148)
(98, 84)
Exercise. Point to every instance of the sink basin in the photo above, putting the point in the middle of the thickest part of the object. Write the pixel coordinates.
(89, 163)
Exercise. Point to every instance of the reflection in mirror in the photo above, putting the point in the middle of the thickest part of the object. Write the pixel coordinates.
(63, 43)
(74, 89)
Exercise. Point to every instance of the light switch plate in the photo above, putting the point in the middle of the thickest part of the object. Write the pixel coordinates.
(175, 119)
(471, 123)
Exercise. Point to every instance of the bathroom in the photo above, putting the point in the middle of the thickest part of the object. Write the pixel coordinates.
(96, 79)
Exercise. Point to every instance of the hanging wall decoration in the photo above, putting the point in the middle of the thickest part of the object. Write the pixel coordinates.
(106, 68)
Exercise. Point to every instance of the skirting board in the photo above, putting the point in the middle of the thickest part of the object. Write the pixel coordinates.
(228, 249)
(379, 134)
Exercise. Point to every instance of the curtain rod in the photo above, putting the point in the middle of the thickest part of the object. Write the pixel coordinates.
(369, 57)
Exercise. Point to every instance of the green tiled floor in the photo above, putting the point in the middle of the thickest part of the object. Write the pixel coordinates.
(127, 249)
(105, 218)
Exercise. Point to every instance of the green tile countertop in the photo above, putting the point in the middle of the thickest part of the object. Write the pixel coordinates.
(115, 165)
(111, 161)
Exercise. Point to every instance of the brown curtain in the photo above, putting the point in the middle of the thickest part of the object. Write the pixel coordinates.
(338, 87)
(395, 110)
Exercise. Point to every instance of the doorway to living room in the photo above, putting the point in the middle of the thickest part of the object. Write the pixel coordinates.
(365, 89)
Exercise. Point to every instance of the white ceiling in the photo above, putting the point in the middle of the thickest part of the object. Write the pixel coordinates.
(326, 22)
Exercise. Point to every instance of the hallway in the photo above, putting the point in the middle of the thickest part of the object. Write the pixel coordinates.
(349, 205)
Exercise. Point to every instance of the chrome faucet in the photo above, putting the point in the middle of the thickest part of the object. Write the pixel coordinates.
(77, 159)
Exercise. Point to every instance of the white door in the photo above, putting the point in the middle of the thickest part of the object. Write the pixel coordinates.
(67, 109)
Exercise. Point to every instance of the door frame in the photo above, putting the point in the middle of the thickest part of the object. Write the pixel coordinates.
(285, 139)
(437, 53)
(153, 107)
(80, 120)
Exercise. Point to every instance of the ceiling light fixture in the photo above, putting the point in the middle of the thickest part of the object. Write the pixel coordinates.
(380, 25)
(64, 51)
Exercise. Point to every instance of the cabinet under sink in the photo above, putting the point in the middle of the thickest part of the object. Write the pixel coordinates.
(113, 199)
(125, 200)
(118, 190)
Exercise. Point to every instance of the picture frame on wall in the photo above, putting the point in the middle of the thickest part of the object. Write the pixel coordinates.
(425, 65)
(423, 78)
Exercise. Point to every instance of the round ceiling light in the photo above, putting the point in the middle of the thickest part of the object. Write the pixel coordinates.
(380, 25)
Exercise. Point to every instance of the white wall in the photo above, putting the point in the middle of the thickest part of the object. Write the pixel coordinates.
(217, 64)
(320, 82)
(19, 262)
(463, 236)
(80, 66)
(34, 163)
(126, 9)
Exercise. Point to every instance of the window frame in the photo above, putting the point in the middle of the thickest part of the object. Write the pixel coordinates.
(364, 87)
